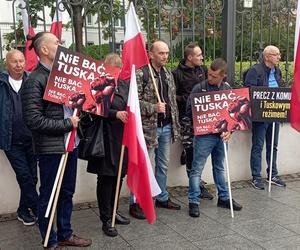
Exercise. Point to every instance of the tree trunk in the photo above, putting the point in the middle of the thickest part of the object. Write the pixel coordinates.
(78, 26)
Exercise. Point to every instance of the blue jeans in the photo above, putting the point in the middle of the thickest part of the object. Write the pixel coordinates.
(262, 131)
(48, 165)
(204, 145)
(24, 164)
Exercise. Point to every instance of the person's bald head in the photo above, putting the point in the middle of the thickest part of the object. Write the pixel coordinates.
(45, 45)
(15, 62)
(271, 56)
(159, 53)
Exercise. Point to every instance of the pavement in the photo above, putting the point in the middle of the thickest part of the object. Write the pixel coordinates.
(267, 221)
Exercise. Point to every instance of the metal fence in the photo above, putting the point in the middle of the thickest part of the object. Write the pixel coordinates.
(228, 29)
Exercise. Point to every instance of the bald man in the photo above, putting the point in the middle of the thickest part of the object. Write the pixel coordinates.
(15, 137)
(50, 123)
(266, 74)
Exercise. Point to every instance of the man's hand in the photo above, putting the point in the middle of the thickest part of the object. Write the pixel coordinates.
(122, 115)
(160, 107)
(75, 120)
(226, 136)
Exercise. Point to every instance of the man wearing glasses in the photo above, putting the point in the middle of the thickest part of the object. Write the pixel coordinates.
(266, 74)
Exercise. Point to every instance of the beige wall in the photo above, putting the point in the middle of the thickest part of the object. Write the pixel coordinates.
(238, 155)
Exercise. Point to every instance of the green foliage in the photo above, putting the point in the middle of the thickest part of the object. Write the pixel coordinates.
(97, 52)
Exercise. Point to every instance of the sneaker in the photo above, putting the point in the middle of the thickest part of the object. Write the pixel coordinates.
(205, 194)
(258, 183)
(226, 204)
(277, 181)
(75, 241)
(26, 218)
(136, 212)
(121, 219)
(194, 210)
(167, 204)
(109, 230)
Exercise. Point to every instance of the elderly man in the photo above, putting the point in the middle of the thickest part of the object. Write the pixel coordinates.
(267, 74)
(15, 137)
(159, 119)
(49, 123)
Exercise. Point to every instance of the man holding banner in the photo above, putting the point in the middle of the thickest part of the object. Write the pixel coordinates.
(264, 74)
(209, 144)
(50, 123)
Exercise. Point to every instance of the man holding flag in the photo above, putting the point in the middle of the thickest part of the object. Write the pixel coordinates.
(50, 123)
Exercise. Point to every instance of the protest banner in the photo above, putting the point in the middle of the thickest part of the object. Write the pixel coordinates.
(270, 104)
(81, 82)
(221, 111)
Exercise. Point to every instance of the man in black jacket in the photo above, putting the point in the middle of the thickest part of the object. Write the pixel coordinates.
(267, 74)
(50, 123)
(189, 72)
(15, 137)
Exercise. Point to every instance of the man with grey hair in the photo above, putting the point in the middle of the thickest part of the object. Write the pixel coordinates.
(49, 123)
(15, 137)
(266, 74)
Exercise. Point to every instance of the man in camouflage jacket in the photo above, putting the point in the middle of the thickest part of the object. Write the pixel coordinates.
(160, 120)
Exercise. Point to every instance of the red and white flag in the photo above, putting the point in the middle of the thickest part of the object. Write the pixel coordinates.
(134, 51)
(56, 26)
(31, 58)
(140, 177)
(295, 100)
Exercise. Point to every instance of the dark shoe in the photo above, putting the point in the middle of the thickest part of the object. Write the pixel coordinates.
(194, 210)
(277, 181)
(136, 212)
(26, 218)
(205, 194)
(258, 183)
(226, 204)
(76, 241)
(167, 204)
(109, 230)
(121, 220)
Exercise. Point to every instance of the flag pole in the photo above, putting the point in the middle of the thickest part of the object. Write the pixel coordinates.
(56, 189)
(154, 83)
(271, 158)
(228, 179)
(118, 186)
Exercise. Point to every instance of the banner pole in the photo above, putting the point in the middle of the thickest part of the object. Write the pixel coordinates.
(271, 158)
(154, 83)
(118, 187)
(228, 179)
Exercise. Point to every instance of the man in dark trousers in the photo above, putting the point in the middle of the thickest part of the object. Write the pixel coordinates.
(189, 72)
(50, 123)
(266, 74)
(15, 137)
(209, 144)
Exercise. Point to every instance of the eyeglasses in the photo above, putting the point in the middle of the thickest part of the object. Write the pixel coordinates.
(275, 54)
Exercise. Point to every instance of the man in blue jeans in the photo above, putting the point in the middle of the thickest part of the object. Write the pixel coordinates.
(210, 144)
(50, 123)
(266, 74)
(159, 119)
(16, 138)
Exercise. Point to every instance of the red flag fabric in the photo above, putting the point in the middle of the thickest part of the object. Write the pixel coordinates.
(56, 26)
(71, 142)
(134, 51)
(295, 100)
(31, 59)
(140, 177)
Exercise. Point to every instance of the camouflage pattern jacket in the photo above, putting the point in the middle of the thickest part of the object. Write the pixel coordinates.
(148, 100)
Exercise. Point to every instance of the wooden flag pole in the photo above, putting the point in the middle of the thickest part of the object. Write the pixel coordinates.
(154, 83)
(271, 160)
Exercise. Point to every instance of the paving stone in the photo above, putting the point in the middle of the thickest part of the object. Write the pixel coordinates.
(290, 243)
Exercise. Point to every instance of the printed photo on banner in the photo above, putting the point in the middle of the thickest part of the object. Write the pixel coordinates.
(270, 104)
(221, 111)
(81, 82)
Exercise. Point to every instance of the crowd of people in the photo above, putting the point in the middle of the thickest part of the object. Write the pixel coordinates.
(34, 130)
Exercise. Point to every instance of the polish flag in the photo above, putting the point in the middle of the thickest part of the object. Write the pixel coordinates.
(295, 100)
(140, 177)
(134, 51)
(31, 58)
(56, 26)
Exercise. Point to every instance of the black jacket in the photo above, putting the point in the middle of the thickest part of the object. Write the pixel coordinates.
(185, 79)
(45, 119)
(112, 136)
